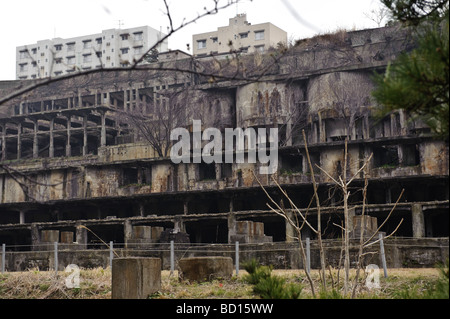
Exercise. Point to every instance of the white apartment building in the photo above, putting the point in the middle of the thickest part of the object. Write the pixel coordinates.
(241, 34)
(109, 49)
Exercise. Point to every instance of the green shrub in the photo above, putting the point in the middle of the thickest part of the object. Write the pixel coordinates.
(268, 286)
(256, 272)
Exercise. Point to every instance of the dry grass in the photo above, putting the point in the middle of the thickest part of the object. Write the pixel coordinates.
(96, 284)
(35, 284)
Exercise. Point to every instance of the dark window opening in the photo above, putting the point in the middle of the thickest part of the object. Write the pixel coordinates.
(146, 176)
(411, 155)
(227, 170)
(291, 163)
(130, 176)
(207, 171)
(385, 157)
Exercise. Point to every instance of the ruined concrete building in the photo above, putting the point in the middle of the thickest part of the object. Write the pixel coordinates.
(92, 150)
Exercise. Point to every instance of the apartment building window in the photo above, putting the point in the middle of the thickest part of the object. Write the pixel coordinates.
(259, 48)
(201, 44)
(124, 50)
(98, 54)
(58, 60)
(124, 36)
(23, 54)
(99, 40)
(138, 36)
(34, 64)
(71, 47)
(243, 35)
(34, 50)
(58, 47)
(23, 67)
(87, 44)
(70, 60)
(259, 35)
(215, 39)
(139, 50)
(87, 58)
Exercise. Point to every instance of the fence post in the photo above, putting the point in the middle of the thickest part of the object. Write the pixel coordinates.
(3, 257)
(56, 257)
(111, 253)
(237, 258)
(172, 257)
(308, 255)
(383, 257)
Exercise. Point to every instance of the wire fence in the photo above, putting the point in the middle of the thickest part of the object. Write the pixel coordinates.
(172, 252)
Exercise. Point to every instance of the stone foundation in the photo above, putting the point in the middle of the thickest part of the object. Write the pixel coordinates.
(205, 268)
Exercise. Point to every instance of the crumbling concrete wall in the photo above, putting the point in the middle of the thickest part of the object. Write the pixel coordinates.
(434, 158)
(264, 104)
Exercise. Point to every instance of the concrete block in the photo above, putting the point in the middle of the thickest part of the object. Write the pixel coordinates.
(258, 229)
(66, 237)
(205, 268)
(135, 278)
(244, 228)
(368, 223)
(50, 236)
(142, 232)
(156, 233)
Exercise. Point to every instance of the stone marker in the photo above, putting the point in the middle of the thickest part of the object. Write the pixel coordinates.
(135, 278)
(205, 268)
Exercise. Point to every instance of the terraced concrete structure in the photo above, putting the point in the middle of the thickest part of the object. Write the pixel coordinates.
(77, 152)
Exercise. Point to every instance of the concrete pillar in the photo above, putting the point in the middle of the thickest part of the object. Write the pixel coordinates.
(103, 130)
(290, 231)
(141, 209)
(186, 207)
(68, 146)
(125, 101)
(179, 226)
(35, 237)
(85, 137)
(135, 278)
(403, 123)
(51, 150)
(3, 142)
(351, 216)
(127, 231)
(366, 131)
(231, 221)
(19, 140)
(418, 221)
(322, 134)
(35, 140)
(22, 217)
(108, 99)
(81, 236)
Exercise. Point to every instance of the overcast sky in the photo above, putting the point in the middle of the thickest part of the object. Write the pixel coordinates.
(27, 21)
